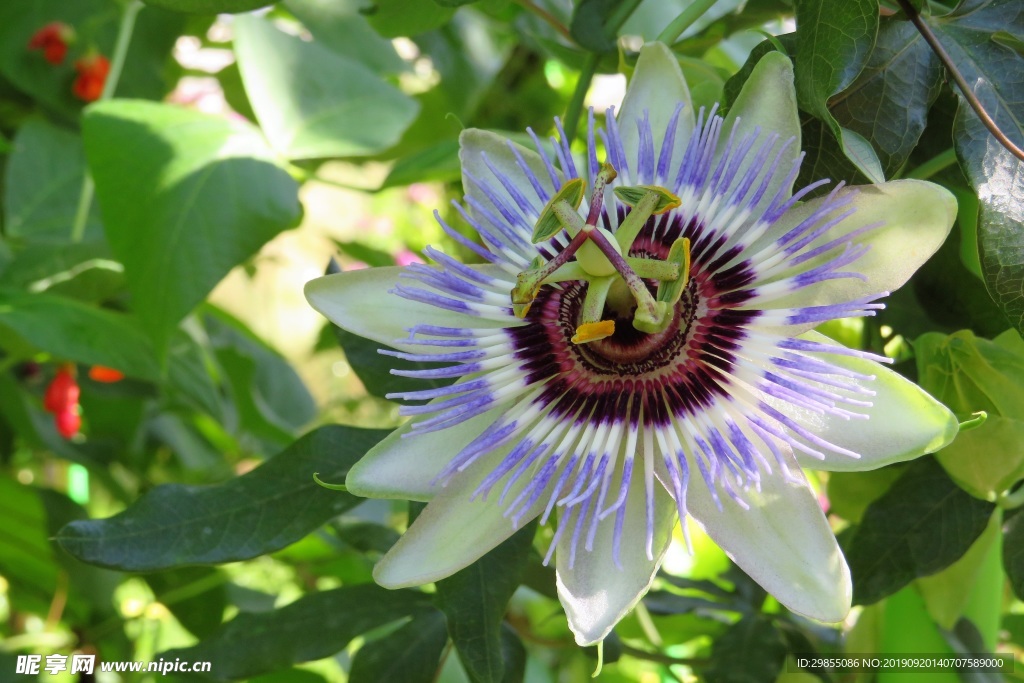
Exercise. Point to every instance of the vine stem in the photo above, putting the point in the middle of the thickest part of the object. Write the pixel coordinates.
(547, 16)
(575, 108)
(685, 19)
(124, 37)
(937, 163)
(958, 78)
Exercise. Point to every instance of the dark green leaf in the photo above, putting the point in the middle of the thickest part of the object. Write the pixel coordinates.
(454, 3)
(750, 651)
(375, 258)
(437, 163)
(834, 41)
(85, 271)
(260, 512)
(312, 102)
(996, 73)
(888, 102)
(922, 524)
(1013, 552)
(589, 25)
(393, 18)
(340, 27)
(271, 399)
(732, 87)
(185, 197)
(43, 183)
(26, 559)
(514, 653)
(74, 331)
(312, 627)
(210, 6)
(474, 600)
(196, 596)
(664, 602)
(407, 655)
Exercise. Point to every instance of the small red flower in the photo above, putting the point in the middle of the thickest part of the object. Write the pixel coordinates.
(61, 399)
(101, 373)
(68, 422)
(92, 74)
(53, 39)
(63, 391)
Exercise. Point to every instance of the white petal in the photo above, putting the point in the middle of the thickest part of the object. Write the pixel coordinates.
(915, 216)
(903, 422)
(360, 301)
(657, 86)
(453, 531)
(767, 101)
(403, 466)
(783, 542)
(477, 148)
(595, 593)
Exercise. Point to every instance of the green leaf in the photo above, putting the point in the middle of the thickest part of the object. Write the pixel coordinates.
(185, 197)
(834, 41)
(43, 182)
(922, 524)
(436, 163)
(313, 627)
(196, 596)
(74, 331)
(338, 26)
(944, 593)
(994, 71)
(272, 401)
(970, 374)
(409, 654)
(393, 18)
(313, 103)
(762, 647)
(589, 24)
(474, 601)
(850, 493)
(26, 559)
(1013, 552)
(85, 270)
(888, 102)
(262, 511)
(210, 6)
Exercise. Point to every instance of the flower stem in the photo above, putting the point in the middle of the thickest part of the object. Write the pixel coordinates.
(575, 108)
(124, 36)
(684, 21)
(934, 165)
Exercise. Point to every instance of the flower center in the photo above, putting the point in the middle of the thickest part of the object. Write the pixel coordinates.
(599, 259)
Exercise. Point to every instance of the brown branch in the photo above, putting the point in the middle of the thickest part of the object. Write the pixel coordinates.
(547, 16)
(947, 61)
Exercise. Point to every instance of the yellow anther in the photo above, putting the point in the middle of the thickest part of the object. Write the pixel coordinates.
(588, 332)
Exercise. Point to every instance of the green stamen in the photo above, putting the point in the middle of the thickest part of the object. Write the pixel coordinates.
(550, 222)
